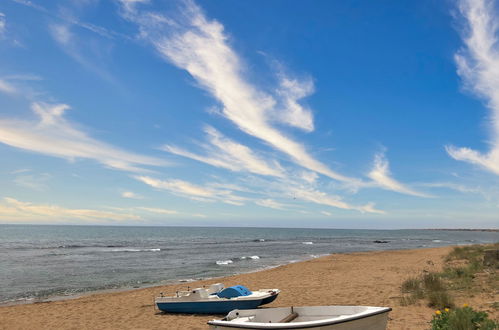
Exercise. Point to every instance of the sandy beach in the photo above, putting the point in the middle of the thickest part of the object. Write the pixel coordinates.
(368, 278)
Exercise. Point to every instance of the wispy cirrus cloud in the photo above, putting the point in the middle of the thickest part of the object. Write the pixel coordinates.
(3, 25)
(146, 212)
(322, 198)
(69, 19)
(290, 111)
(13, 210)
(270, 203)
(478, 66)
(453, 186)
(199, 45)
(131, 194)
(157, 210)
(15, 84)
(226, 153)
(7, 87)
(33, 181)
(380, 174)
(264, 192)
(194, 191)
(81, 50)
(51, 134)
(61, 33)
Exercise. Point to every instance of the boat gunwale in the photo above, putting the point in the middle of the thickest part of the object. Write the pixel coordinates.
(256, 295)
(299, 325)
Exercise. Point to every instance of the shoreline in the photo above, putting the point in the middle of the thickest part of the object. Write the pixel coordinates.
(360, 278)
(54, 298)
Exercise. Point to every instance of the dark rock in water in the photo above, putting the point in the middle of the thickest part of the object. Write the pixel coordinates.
(378, 241)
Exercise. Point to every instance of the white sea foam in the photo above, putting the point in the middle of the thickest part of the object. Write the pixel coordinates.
(250, 257)
(135, 250)
(437, 241)
(125, 250)
(186, 280)
(307, 243)
(224, 262)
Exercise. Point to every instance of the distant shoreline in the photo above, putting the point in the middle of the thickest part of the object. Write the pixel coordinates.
(465, 229)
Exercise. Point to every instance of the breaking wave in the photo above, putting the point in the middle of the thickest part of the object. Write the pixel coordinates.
(224, 262)
(134, 250)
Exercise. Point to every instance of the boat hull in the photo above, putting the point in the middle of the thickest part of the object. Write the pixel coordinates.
(268, 300)
(372, 318)
(210, 307)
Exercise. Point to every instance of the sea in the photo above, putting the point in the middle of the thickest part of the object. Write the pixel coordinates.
(42, 262)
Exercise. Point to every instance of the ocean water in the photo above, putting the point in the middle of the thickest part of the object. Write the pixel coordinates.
(41, 262)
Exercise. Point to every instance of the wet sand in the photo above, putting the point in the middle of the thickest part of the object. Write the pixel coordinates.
(367, 278)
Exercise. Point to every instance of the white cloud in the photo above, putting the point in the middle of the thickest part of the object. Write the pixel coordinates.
(380, 174)
(295, 189)
(131, 194)
(12, 210)
(489, 161)
(157, 210)
(292, 112)
(13, 84)
(52, 135)
(32, 181)
(270, 203)
(486, 193)
(21, 170)
(177, 186)
(81, 50)
(16, 85)
(65, 16)
(61, 33)
(3, 25)
(328, 214)
(226, 153)
(129, 5)
(309, 177)
(7, 87)
(478, 66)
(194, 191)
(319, 197)
(452, 186)
(200, 46)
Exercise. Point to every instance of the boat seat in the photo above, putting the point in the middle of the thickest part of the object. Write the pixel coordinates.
(289, 318)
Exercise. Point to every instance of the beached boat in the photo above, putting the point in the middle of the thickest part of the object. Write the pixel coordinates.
(307, 317)
(215, 299)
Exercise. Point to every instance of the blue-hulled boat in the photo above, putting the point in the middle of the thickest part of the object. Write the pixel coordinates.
(215, 299)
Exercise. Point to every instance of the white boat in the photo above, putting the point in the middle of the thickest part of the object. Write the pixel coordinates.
(215, 299)
(306, 317)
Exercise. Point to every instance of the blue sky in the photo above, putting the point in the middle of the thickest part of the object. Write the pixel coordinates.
(341, 114)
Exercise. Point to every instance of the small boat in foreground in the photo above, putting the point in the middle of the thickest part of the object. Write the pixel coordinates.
(215, 300)
(307, 317)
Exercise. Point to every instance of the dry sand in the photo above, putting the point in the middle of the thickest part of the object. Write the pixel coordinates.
(370, 278)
